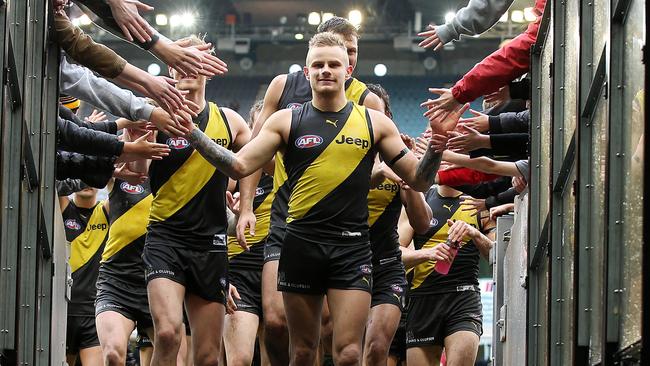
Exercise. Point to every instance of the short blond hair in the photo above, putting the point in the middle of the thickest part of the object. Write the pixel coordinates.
(196, 40)
(326, 39)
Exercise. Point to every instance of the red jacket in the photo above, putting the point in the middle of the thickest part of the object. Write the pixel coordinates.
(462, 176)
(501, 67)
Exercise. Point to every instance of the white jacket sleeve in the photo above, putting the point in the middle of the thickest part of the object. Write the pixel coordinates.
(82, 83)
(475, 18)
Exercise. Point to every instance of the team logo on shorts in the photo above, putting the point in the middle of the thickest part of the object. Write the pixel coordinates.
(365, 269)
(397, 289)
(72, 224)
(223, 282)
(294, 106)
(434, 222)
(259, 191)
(307, 141)
(136, 189)
(177, 143)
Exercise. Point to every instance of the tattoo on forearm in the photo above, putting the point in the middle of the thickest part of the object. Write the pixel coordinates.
(222, 158)
(428, 166)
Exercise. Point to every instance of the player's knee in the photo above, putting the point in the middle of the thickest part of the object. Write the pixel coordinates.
(275, 327)
(168, 337)
(303, 355)
(114, 355)
(207, 359)
(376, 350)
(348, 355)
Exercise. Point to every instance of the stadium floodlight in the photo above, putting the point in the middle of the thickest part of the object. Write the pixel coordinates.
(185, 20)
(161, 19)
(299, 36)
(380, 70)
(517, 16)
(449, 17)
(188, 19)
(294, 68)
(327, 16)
(314, 18)
(529, 15)
(355, 17)
(84, 20)
(175, 20)
(154, 69)
(504, 18)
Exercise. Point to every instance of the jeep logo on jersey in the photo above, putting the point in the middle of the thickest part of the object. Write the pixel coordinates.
(259, 191)
(126, 187)
(222, 142)
(364, 144)
(72, 224)
(307, 141)
(388, 187)
(97, 227)
(294, 106)
(177, 143)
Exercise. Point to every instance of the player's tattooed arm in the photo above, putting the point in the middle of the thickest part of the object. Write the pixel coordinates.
(428, 166)
(222, 158)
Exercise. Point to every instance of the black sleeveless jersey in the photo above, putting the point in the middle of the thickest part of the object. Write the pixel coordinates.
(87, 230)
(128, 215)
(329, 158)
(463, 273)
(254, 258)
(296, 92)
(189, 194)
(384, 208)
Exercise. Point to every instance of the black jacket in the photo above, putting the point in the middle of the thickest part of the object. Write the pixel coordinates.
(510, 122)
(95, 171)
(71, 137)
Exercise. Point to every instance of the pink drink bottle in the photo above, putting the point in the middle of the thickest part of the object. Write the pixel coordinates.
(443, 267)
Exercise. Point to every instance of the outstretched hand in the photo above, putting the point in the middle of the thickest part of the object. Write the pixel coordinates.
(441, 123)
(469, 141)
(124, 173)
(442, 106)
(479, 122)
(126, 14)
(432, 39)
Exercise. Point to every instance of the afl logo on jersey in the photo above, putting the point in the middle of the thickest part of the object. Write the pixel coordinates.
(259, 191)
(307, 141)
(72, 224)
(126, 187)
(294, 106)
(177, 143)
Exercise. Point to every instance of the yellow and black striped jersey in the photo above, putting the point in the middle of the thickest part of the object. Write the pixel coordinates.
(384, 208)
(128, 216)
(463, 274)
(254, 258)
(328, 159)
(189, 204)
(296, 92)
(87, 230)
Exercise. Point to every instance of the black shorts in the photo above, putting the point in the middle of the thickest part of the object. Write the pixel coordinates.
(203, 273)
(431, 318)
(143, 340)
(81, 333)
(388, 282)
(124, 298)
(314, 268)
(273, 244)
(249, 286)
